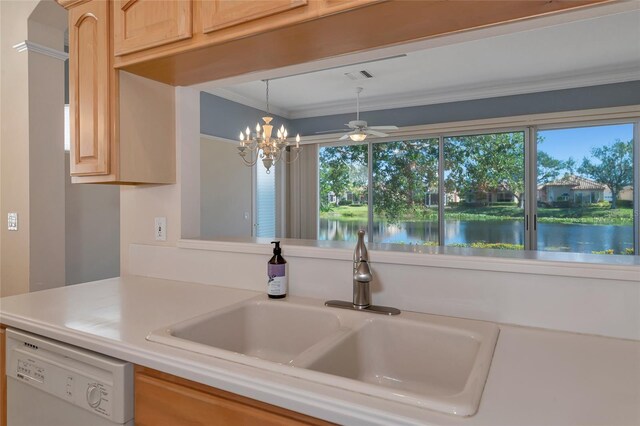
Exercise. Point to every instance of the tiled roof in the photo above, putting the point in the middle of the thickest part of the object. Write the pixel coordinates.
(577, 183)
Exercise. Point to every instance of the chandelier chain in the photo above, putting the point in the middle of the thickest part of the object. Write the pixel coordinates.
(267, 96)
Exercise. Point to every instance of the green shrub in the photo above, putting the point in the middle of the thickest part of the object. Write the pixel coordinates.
(345, 202)
(627, 251)
(495, 246)
(608, 251)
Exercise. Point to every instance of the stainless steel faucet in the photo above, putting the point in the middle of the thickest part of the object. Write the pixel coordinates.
(362, 278)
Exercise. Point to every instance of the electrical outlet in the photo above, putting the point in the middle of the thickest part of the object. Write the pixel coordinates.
(161, 228)
(12, 221)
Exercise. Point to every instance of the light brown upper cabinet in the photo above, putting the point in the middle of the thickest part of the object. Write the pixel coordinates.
(218, 14)
(89, 88)
(333, 6)
(122, 125)
(142, 24)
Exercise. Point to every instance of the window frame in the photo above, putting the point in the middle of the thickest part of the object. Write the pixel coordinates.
(530, 126)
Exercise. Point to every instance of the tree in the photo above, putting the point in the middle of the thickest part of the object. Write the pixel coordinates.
(483, 163)
(404, 173)
(570, 166)
(614, 168)
(337, 168)
(549, 168)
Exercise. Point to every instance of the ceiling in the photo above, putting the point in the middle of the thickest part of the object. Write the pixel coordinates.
(597, 50)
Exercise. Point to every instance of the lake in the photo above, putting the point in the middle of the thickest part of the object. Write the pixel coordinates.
(577, 238)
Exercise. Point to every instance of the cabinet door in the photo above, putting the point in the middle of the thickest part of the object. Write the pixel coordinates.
(162, 399)
(141, 24)
(89, 88)
(217, 14)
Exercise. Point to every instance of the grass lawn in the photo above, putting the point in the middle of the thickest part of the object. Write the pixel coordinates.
(356, 213)
(598, 215)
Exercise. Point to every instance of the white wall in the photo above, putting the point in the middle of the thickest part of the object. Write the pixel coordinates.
(92, 237)
(31, 135)
(46, 152)
(14, 147)
(225, 191)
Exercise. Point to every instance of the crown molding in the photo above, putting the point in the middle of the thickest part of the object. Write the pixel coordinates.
(541, 120)
(30, 46)
(472, 92)
(232, 96)
(217, 138)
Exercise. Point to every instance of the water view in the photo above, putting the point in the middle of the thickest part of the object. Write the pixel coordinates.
(579, 238)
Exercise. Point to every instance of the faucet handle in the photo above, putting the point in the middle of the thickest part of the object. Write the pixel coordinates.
(363, 273)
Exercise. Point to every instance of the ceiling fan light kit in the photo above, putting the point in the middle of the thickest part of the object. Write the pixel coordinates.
(360, 129)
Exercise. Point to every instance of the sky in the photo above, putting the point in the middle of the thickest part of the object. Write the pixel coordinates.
(577, 142)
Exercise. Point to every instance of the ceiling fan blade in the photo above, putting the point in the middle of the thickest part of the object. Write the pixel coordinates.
(384, 127)
(375, 133)
(330, 131)
(345, 136)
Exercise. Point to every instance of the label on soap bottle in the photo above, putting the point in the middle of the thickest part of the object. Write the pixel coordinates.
(278, 281)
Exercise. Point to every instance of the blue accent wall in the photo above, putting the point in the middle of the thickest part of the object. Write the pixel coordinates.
(226, 119)
(220, 117)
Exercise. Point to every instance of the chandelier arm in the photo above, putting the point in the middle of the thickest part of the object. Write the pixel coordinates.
(295, 159)
(250, 163)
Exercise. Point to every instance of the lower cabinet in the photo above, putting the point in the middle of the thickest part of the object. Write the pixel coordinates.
(163, 399)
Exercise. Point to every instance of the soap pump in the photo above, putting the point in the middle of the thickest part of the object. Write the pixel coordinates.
(277, 274)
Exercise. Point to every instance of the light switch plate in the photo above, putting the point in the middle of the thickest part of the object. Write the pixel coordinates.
(161, 228)
(12, 221)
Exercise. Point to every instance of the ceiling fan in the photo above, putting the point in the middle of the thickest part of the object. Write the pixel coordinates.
(359, 128)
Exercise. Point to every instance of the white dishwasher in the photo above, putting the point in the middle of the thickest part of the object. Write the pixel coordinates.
(54, 384)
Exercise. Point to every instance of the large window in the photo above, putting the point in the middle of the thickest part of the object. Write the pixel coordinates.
(405, 192)
(545, 188)
(484, 189)
(585, 189)
(344, 191)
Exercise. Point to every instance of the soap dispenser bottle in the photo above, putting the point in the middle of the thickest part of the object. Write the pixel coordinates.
(277, 274)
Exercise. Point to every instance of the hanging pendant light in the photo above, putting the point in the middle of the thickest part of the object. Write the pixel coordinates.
(262, 145)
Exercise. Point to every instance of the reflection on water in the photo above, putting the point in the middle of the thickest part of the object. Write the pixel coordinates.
(383, 232)
(551, 236)
(584, 238)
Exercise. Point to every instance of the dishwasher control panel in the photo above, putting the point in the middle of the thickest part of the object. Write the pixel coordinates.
(79, 389)
(92, 381)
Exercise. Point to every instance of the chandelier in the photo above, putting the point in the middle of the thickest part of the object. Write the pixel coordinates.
(261, 145)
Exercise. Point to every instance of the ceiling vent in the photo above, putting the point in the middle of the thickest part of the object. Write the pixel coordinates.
(358, 75)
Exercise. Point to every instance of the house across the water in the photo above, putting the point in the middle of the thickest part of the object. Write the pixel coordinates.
(573, 189)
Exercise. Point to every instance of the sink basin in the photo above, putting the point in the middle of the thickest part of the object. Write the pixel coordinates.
(439, 367)
(427, 361)
(276, 332)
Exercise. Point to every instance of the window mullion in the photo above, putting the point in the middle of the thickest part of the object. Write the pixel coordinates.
(441, 191)
(531, 188)
(636, 188)
(370, 192)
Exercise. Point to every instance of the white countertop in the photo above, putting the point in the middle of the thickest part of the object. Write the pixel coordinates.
(537, 377)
